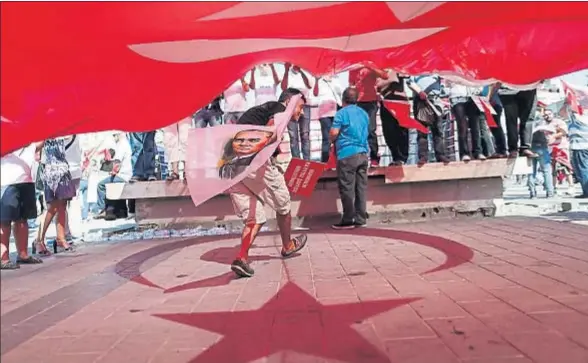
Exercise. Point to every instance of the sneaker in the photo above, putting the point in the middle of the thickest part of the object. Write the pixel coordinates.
(242, 268)
(481, 157)
(513, 155)
(343, 225)
(466, 158)
(360, 224)
(443, 159)
(374, 163)
(396, 163)
(528, 153)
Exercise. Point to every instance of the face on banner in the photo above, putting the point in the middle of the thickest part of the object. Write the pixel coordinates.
(240, 150)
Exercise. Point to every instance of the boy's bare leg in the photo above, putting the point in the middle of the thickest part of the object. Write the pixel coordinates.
(250, 231)
(285, 227)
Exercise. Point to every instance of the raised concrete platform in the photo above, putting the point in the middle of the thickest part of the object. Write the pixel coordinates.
(398, 194)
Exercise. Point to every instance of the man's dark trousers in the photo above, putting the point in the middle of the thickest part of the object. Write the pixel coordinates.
(352, 179)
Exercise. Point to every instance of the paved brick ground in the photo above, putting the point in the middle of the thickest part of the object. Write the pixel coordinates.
(506, 290)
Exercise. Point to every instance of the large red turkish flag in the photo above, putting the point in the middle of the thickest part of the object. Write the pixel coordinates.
(72, 67)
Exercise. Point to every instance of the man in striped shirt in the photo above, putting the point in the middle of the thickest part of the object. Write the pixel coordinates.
(427, 110)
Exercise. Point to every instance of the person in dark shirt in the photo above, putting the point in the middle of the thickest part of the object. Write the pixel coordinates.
(263, 114)
(395, 136)
(265, 187)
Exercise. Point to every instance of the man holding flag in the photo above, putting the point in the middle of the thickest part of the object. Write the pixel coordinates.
(265, 186)
(578, 135)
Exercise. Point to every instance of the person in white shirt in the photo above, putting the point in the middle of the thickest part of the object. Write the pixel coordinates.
(235, 101)
(264, 84)
(122, 169)
(327, 92)
(17, 205)
(299, 132)
(175, 141)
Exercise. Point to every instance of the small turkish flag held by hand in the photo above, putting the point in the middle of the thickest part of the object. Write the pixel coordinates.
(572, 98)
(489, 114)
(401, 111)
(484, 106)
(332, 162)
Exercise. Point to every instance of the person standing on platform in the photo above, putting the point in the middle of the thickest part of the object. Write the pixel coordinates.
(175, 140)
(427, 110)
(519, 108)
(395, 136)
(491, 92)
(235, 98)
(143, 150)
(264, 82)
(349, 134)
(299, 131)
(364, 80)
(327, 91)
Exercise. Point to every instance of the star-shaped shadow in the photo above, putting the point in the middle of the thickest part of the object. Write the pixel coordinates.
(291, 321)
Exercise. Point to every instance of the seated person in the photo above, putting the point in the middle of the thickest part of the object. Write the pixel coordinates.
(120, 172)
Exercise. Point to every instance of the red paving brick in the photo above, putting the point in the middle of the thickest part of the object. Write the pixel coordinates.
(363, 296)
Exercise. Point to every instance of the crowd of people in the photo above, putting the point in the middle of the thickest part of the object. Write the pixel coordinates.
(54, 171)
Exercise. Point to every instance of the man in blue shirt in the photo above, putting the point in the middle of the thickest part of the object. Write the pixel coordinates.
(350, 134)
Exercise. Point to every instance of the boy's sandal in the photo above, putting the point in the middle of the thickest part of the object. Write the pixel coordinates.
(299, 243)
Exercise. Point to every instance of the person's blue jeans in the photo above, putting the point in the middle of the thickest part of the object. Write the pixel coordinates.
(326, 123)
(101, 202)
(580, 165)
(300, 134)
(84, 194)
(206, 117)
(144, 151)
(543, 161)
